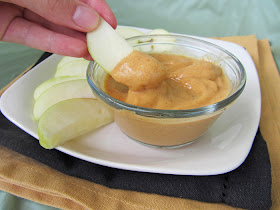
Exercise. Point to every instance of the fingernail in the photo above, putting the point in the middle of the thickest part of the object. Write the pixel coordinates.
(86, 18)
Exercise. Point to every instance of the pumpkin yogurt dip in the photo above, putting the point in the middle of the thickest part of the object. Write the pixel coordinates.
(166, 82)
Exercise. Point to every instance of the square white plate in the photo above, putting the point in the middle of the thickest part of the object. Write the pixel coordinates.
(221, 149)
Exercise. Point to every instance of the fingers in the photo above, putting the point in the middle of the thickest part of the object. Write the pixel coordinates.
(32, 17)
(70, 13)
(22, 31)
(88, 57)
(78, 15)
(56, 26)
(7, 13)
(104, 10)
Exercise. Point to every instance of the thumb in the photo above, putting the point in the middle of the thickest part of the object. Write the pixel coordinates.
(69, 13)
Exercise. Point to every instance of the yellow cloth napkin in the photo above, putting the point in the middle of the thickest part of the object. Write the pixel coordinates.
(30, 179)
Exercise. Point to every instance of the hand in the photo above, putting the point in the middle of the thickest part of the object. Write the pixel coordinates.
(57, 26)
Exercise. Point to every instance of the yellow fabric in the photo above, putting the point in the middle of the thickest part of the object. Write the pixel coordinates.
(30, 179)
(270, 116)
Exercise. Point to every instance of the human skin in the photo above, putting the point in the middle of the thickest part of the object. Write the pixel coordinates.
(57, 26)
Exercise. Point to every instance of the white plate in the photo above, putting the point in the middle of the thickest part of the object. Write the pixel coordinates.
(221, 149)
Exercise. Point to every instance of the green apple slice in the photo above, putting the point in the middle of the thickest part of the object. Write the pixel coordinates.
(76, 68)
(59, 92)
(69, 119)
(127, 32)
(67, 59)
(49, 83)
(107, 47)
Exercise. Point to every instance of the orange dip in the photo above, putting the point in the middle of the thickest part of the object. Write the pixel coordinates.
(166, 81)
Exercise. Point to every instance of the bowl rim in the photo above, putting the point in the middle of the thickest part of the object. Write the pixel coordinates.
(167, 113)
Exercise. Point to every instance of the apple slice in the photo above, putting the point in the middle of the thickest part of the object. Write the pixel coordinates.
(161, 39)
(127, 32)
(76, 68)
(161, 48)
(69, 119)
(107, 47)
(51, 82)
(67, 59)
(59, 92)
(158, 31)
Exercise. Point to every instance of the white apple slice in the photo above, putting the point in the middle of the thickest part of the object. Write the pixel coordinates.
(158, 31)
(161, 39)
(127, 32)
(69, 119)
(73, 68)
(106, 46)
(67, 59)
(59, 92)
(161, 48)
(49, 83)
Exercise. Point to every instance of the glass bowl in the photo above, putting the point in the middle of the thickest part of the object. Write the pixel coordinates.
(171, 128)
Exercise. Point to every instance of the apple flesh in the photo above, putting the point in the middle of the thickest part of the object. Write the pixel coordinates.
(106, 46)
(76, 68)
(127, 32)
(67, 59)
(164, 42)
(51, 82)
(69, 119)
(59, 92)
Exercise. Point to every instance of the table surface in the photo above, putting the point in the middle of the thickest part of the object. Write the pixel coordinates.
(208, 18)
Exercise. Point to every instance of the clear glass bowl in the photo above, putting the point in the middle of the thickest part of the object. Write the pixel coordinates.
(171, 128)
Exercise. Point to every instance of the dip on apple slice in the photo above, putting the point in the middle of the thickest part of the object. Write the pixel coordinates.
(117, 57)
